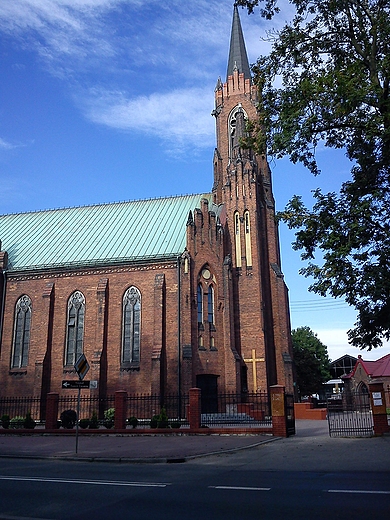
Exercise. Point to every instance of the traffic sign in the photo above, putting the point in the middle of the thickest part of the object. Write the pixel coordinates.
(81, 366)
(75, 384)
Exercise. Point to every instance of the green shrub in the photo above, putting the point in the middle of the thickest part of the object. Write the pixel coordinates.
(175, 424)
(17, 422)
(84, 423)
(133, 421)
(29, 422)
(94, 422)
(109, 417)
(68, 419)
(5, 421)
(162, 421)
(154, 421)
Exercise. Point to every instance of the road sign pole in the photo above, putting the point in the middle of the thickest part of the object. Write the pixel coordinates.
(77, 420)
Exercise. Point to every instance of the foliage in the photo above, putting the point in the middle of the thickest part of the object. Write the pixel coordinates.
(109, 416)
(29, 422)
(17, 422)
(133, 421)
(311, 360)
(154, 421)
(68, 419)
(175, 424)
(94, 422)
(162, 421)
(84, 423)
(333, 63)
(5, 420)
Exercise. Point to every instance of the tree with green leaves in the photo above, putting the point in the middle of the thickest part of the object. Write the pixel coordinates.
(333, 63)
(312, 365)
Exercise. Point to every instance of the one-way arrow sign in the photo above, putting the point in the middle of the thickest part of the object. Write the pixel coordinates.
(75, 384)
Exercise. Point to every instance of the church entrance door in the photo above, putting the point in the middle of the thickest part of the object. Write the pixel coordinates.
(208, 385)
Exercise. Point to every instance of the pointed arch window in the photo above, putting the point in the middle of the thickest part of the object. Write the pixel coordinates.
(248, 241)
(210, 305)
(131, 334)
(237, 238)
(75, 328)
(199, 301)
(22, 325)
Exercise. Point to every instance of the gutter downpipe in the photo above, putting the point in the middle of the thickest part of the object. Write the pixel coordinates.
(4, 273)
(179, 335)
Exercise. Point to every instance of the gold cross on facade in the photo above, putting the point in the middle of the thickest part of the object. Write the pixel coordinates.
(254, 360)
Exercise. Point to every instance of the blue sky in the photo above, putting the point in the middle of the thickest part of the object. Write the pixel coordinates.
(110, 100)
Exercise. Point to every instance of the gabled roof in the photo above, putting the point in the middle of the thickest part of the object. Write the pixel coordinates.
(375, 369)
(237, 53)
(143, 230)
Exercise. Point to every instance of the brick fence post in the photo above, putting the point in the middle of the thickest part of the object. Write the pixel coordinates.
(194, 408)
(378, 407)
(278, 411)
(120, 410)
(52, 400)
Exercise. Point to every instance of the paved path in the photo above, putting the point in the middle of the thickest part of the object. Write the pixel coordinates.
(311, 448)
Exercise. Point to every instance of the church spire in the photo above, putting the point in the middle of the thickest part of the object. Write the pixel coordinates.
(238, 58)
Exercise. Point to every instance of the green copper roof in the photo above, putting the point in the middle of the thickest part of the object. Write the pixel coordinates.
(96, 235)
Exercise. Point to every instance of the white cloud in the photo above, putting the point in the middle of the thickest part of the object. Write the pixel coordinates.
(179, 116)
(5, 145)
(337, 342)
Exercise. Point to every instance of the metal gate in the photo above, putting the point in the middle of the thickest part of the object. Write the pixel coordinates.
(350, 415)
(290, 416)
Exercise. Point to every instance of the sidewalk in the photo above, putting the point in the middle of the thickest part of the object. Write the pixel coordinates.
(311, 448)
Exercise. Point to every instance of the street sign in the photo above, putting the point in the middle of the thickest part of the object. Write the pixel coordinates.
(75, 384)
(81, 366)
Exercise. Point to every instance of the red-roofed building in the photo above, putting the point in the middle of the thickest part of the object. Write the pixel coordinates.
(365, 372)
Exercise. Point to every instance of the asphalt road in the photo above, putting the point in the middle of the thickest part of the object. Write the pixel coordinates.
(229, 486)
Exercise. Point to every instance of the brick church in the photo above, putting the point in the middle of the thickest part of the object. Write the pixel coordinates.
(160, 295)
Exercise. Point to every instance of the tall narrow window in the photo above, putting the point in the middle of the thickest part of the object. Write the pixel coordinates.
(75, 331)
(248, 243)
(199, 300)
(237, 238)
(131, 326)
(210, 305)
(22, 326)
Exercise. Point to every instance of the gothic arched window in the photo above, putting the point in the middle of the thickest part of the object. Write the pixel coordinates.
(237, 238)
(248, 242)
(237, 120)
(131, 331)
(199, 301)
(22, 327)
(210, 305)
(75, 328)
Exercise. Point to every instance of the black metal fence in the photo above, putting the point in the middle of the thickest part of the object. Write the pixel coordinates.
(350, 415)
(146, 406)
(89, 405)
(231, 409)
(20, 406)
(249, 409)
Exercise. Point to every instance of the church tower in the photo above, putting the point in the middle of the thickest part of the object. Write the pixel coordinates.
(242, 184)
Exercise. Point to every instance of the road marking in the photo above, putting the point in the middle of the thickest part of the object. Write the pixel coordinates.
(358, 491)
(241, 488)
(94, 482)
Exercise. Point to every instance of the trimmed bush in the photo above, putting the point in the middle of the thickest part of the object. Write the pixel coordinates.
(68, 419)
(109, 417)
(5, 421)
(29, 422)
(133, 421)
(17, 422)
(84, 423)
(94, 422)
